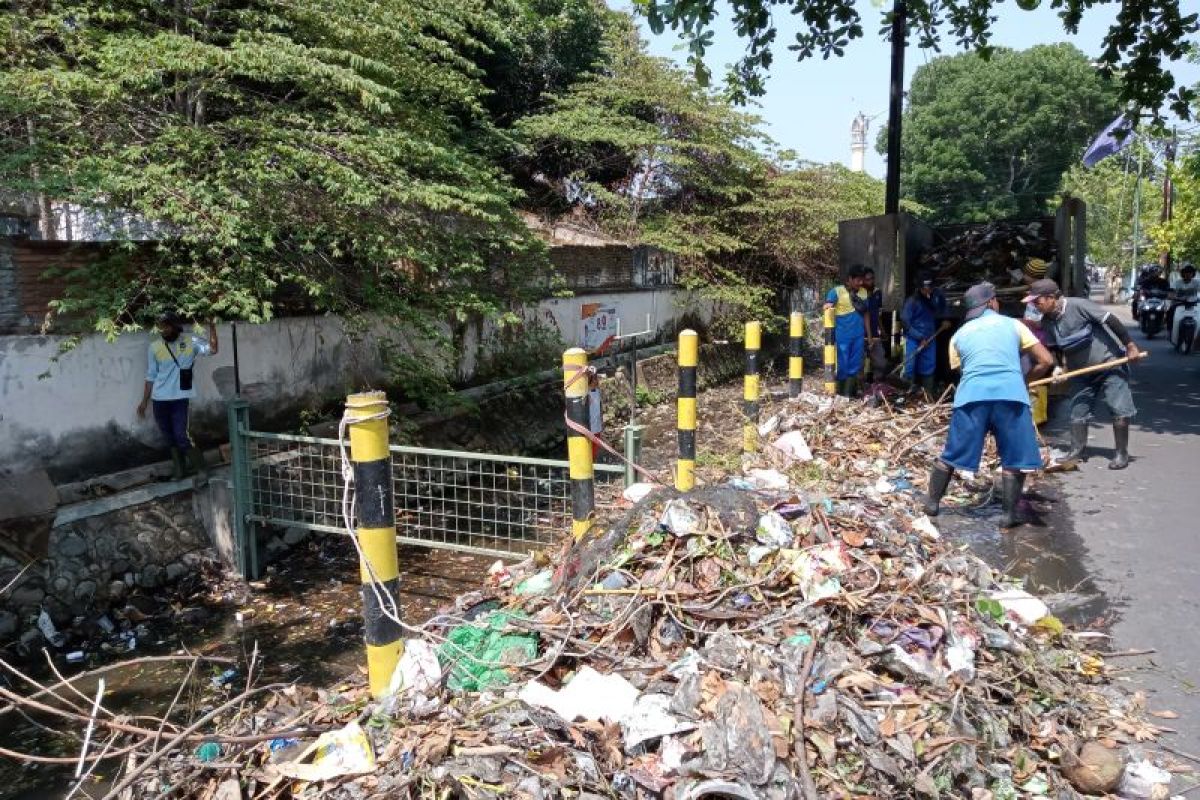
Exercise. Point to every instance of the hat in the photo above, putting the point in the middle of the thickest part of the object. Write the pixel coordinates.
(1035, 268)
(977, 298)
(173, 319)
(925, 278)
(1043, 288)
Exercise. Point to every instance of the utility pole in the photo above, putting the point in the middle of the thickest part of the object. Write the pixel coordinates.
(895, 107)
(1137, 219)
(1164, 258)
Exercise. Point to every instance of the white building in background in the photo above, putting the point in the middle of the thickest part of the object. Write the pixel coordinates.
(858, 142)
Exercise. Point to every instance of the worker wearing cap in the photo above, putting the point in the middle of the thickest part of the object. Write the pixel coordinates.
(1088, 335)
(920, 318)
(169, 385)
(849, 304)
(991, 398)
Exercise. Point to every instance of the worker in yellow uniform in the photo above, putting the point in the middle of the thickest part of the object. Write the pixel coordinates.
(849, 304)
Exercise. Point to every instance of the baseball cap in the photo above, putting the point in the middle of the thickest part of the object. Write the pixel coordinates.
(1043, 288)
(925, 278)
(977, 298)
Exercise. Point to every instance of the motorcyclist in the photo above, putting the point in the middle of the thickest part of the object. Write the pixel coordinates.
(1153, 280)
(1186, 289)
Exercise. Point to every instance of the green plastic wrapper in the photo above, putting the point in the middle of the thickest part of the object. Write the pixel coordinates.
(475, 653)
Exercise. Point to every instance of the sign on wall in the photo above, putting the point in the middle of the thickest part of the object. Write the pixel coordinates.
(599, 326)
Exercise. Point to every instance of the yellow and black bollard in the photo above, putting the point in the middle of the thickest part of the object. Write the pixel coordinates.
(379, 565)
(750, 389)
(685, 410)
(579, 449)
(830, 354)
(795, 354)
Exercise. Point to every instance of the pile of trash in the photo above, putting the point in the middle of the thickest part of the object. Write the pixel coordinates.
(795, 630)
(997, 252)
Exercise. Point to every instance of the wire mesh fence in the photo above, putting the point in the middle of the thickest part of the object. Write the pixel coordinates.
(474, 502)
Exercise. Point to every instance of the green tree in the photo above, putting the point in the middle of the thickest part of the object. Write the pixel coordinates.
(1145, 37)
(1108, 189)
(1181, 236)
(986, 138)
(334, 149)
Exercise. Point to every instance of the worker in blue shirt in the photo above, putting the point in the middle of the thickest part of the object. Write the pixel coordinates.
(991, 398)
(876, 354)
(170, 360)
(919, 316)
(849, 304)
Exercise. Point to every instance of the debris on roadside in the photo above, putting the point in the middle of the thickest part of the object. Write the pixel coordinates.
(795, 630)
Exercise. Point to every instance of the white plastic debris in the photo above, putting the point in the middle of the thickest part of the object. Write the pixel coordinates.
(883, 486)
(346, 751)
(792, 445)
(1144, 781)
(680, 518)
(46, 626)
(815, 570)
(773, 531)
(768, 479)
(960, 658)
(418, 670)
(590, 696)
(768, 427)
(650, 718)
(638, 491)
(1020, 604)
(924, 526)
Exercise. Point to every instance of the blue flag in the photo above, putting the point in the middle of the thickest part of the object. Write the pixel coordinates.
(1112, 139)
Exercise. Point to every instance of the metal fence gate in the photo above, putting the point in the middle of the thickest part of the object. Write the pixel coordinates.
(456, 500)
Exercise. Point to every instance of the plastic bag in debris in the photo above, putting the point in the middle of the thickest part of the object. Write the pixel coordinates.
(477, 653)
(590, 695)
(1020, 604)
(342, 752)
(537, 584)
(638, 491)
(681, 519)
(815, 570)
(46, 626)
(773, 531)
(924, 526)
(1144, 781)
(792, 445)
(418, 670)
(767, 480)
(651, 718)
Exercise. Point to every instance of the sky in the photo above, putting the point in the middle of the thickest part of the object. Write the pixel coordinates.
(809, 106)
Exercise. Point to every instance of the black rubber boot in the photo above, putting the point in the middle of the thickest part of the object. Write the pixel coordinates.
(939, 479)
(177, 466)
(1079, 440)
(851, 387)
(927, 385)
(841, 389)
(197, 465)
(1012, 483)
(1121, 442)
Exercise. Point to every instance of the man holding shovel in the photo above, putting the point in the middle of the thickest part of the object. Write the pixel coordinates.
(1089, 336)
(991, 398)
(920, 318)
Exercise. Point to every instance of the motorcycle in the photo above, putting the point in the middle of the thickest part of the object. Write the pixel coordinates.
(1152, 313)
(1187, 319)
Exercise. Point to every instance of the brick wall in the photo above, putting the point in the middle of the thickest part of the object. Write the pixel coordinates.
(26, 289)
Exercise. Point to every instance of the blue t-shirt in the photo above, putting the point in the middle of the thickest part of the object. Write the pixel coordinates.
(988, 348)
(163, 371)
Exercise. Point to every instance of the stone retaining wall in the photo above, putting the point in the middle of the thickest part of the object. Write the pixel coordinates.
(95, 562)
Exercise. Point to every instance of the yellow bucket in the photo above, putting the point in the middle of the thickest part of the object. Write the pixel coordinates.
(1040, 398)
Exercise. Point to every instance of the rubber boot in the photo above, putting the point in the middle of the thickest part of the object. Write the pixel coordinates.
(851, 387)
(177, 466)
(1012, 483)
(927, 385)
(1121, 442)
(1079, 440)
(939, 480)
(841, 389)
(198, 466)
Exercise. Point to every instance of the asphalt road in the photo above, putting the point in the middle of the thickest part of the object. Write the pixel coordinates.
(1136, 533)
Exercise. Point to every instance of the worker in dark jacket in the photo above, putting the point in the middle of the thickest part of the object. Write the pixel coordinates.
(1088, 335)
(991, 398)
(920, 318)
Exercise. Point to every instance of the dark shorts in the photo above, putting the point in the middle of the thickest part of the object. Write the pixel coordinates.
(1112, 387)
(1009, 421)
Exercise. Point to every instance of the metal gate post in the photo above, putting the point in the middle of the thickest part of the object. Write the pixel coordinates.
(245, 531)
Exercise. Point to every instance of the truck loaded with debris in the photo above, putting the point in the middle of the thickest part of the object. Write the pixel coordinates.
(1009, 253)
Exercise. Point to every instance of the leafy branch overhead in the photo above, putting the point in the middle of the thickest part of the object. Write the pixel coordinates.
(1145, 37)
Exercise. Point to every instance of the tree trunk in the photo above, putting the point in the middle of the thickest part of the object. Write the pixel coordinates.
(45, 211)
